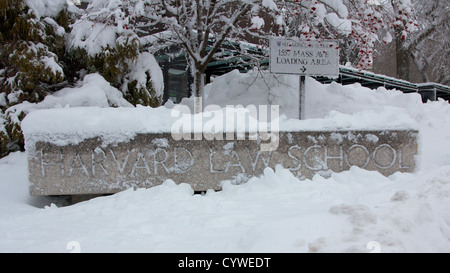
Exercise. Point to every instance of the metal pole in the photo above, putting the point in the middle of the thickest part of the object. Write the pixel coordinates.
(302, 97)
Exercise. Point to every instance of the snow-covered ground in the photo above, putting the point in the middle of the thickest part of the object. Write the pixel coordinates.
(352, 211)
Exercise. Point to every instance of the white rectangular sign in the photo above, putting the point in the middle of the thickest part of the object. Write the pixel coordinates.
(301, 57)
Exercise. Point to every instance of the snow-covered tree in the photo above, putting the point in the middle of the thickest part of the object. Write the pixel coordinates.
(201, 26)
(429, 47)
(358, 24)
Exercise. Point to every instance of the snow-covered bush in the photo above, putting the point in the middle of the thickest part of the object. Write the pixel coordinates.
(48, 45)
(31, 48)
(32, 44)
(102, 41)
(144, 84)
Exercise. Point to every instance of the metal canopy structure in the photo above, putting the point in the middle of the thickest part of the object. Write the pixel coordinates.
(371, 80)
(428, 91)
(433, 91)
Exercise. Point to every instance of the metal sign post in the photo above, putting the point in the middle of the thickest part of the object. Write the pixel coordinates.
(301, 97)
(304, 58)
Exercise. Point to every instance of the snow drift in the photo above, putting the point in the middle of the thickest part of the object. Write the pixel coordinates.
(353, 211)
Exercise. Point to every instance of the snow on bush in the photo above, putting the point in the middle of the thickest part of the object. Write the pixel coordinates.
(33, 45)
(146, 70)
(102, 41)
(93, 91)
(92, 36)
(46, 8)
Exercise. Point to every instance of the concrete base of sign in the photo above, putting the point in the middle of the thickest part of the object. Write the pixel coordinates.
(150, 159)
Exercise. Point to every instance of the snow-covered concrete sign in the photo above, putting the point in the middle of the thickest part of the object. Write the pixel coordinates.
(302, 57)
(90, 167)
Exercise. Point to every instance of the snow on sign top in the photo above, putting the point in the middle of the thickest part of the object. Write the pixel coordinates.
(302, 57)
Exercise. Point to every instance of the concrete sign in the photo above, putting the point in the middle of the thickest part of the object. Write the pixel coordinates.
(149, 159)
(302, 57)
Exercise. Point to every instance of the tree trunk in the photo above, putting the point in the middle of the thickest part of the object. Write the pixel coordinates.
(403, 58)
(198, 88)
